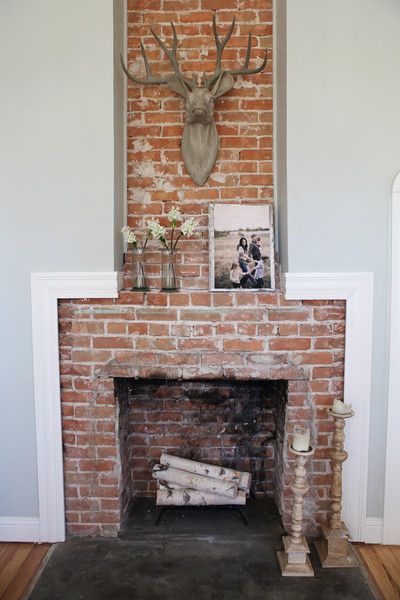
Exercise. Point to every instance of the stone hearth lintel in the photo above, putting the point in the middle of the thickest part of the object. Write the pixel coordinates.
(134, 369)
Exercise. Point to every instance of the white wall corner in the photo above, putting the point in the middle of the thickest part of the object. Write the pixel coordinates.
(357, 289)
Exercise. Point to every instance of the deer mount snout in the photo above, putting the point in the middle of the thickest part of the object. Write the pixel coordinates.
(200, 106)
(200, 141)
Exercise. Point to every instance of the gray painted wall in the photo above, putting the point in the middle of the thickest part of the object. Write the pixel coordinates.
(343, 152)
(56, 190)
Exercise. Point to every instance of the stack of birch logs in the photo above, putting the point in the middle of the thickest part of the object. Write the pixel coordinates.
(184, 482)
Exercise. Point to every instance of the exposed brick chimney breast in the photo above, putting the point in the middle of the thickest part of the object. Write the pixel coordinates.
(194, 334)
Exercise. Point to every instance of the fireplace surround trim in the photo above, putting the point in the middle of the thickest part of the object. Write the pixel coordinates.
(48, 288)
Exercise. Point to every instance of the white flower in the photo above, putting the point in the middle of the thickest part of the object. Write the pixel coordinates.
(128, 234)
(188, 226)
(156, 231)
(174, 215)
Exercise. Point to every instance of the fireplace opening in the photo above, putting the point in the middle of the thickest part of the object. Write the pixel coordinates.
(236, 424)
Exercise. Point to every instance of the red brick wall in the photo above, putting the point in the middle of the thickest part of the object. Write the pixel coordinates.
(240, 335)
(157, 178)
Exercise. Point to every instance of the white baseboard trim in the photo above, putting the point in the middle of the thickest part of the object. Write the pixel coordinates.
(357, 289)
(373, 530)
(19, 529)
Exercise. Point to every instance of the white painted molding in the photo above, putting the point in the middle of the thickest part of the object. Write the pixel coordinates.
(46, 290)
(391, 517)
(19, 529)
(357, 289)
(373, 530)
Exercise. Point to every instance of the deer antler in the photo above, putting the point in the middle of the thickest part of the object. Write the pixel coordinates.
(245, 69)
(220, 47)
(150, 77)
(172, 58)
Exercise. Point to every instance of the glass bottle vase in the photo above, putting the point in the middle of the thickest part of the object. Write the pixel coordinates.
(169, 270)
(138, 269)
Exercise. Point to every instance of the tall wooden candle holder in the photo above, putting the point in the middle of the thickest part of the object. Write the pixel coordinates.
(294, 560)
(334, 549)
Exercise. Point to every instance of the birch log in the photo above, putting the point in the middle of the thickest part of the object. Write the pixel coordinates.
(176, 496)
(242, 478)
(195, 482)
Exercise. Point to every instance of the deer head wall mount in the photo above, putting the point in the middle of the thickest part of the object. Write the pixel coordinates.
(200, 141)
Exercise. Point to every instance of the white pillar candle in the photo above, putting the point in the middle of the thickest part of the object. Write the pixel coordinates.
(340, 407)
(301, 439)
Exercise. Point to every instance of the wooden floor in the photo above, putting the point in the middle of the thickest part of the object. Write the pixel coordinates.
(20, 562)
(18, 565)
(383, 565)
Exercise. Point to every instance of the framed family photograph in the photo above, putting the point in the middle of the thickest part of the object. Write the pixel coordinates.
(241, 247)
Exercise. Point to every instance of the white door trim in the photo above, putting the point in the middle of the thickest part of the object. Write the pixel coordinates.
(391, 520)
(357, 289)
(48, 288)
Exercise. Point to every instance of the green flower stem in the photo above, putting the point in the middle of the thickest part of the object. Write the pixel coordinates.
(177, 240)
(165, 243)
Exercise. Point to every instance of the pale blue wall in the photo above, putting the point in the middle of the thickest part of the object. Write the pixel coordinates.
(56, 190)
(343, 152)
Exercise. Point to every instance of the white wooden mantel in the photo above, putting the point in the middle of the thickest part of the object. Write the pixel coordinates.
(47, 288)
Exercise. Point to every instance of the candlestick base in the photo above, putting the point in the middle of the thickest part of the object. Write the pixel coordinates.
(333, 549)
(294, 560)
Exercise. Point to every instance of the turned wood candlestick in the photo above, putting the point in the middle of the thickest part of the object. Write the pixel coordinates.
(334, 549)
(294, 560)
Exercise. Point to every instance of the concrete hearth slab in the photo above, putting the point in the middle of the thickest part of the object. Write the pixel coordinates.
(236, 565)
(205, 522)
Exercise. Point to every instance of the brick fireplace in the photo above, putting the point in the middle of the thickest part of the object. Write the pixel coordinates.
(238, 424)
(233, 336)
(177, 341)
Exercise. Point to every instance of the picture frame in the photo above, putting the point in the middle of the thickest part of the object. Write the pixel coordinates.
(242, 252)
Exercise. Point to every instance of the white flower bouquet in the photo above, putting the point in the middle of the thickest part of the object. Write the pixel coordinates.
(156, 231)
(186, 228)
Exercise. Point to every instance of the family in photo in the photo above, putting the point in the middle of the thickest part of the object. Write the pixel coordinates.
(241, 247)
(248, 271)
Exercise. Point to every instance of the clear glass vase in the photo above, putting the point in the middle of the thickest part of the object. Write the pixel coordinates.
(138, 269)
(169, 270)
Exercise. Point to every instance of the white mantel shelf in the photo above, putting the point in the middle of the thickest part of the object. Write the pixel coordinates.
(48, 288)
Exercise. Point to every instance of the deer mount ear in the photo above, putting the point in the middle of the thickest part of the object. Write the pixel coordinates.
(176, 84)
(224, 83)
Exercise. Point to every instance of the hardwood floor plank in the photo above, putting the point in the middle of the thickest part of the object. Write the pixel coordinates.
(377, 570)
(390, 564)
(396, 552)
(6, 552)
(4, 547)
(15, 559)
(26, 573)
